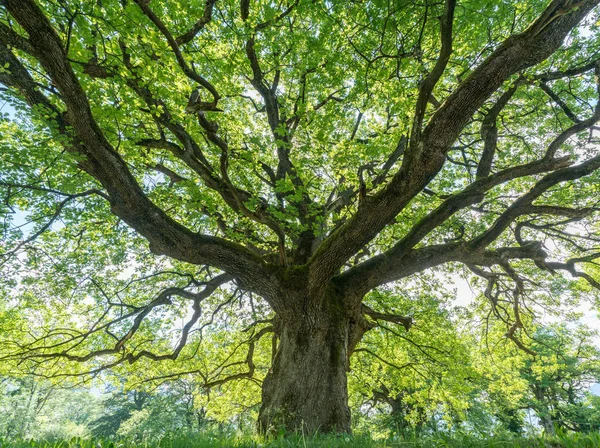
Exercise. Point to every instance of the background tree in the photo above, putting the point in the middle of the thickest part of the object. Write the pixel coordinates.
(35, 408)
(559, 378)
(327, 150)
(551, 389)
(118, 409)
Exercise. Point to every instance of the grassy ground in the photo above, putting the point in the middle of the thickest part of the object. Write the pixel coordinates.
(207, 441)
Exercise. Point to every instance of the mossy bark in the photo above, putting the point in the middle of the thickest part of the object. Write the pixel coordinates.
(306, 388)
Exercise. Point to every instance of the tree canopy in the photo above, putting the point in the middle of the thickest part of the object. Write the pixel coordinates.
(253, 190)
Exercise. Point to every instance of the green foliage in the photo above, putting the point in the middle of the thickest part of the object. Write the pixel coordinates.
(315, 124)
(410, 377)
(559, 379)
(34, 408)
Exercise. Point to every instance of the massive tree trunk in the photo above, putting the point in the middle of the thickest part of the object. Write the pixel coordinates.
(306, 388)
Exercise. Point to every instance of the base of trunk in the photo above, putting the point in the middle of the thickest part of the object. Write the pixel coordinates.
(306, 389)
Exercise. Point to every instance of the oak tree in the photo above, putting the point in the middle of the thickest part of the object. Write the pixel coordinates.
(166, 159)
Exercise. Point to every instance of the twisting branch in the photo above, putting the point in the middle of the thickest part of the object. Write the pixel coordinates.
(384, 361)
(194, 158)
(434, 76)
(374, 270)
(216, 378)
(381, 268)
(348, 195)
(570, 267)
(269, 95)
(39, 350)
(278, 18)
(127, 198)
(576, 71)
(489, 132)
(405, 321)
(493, 292)
(51, 219)
(172, 175)
(422, 162)
(568, 112)
(199, 25)
(521, 205)
(189, 72)
(281, 132)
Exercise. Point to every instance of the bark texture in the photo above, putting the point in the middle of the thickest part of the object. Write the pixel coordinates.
(306, 388)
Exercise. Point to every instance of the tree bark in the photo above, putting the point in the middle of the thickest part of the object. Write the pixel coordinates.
(306, 388)
(548, 424)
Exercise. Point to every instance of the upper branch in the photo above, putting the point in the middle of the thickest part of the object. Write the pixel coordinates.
(570, 267)
(391, 264)
(424, 160)
(192, 155)
(189, 72)
(281, 130)
(568, 112)
(127, 198)
(521, 205)
(52, 218)
(434, 76)
(206, 17)
(405, 321)
(279, 127)
(489, 132)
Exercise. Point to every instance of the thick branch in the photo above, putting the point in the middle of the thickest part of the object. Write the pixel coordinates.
(128, 201)
(423, 161)
(569, 266)
(383, 269)
(489, 133)
(431, 80)
(520, 206)
(405, 321)
(568, 112)
(372, 273)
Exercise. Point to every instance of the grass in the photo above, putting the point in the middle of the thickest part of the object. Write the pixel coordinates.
(340, 441)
